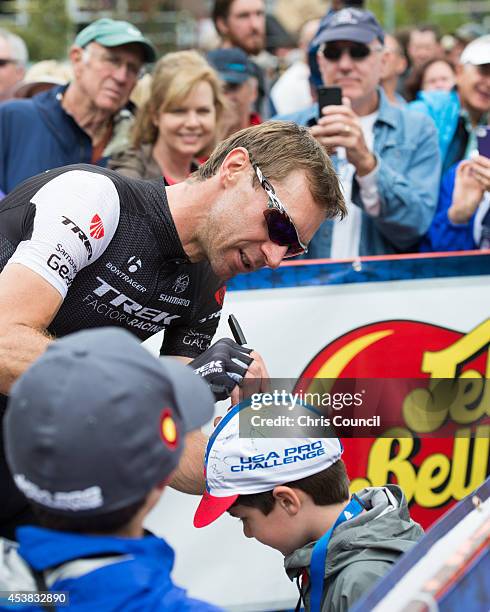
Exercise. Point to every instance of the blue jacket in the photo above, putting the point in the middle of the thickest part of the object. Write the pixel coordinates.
(139, 581)
(443, 234)
(36, 134)
(444, 108)
(405, 145)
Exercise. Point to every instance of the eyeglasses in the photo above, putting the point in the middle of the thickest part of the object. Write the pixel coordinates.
(114, 62)
(6, 62)
(280, 226)
(357, 51)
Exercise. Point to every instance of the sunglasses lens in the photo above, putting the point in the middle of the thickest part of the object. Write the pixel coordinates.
(359, 51)
(332, 53)
(282, 231)
(355, 51)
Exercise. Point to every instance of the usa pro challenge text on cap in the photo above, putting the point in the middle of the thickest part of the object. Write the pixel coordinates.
(97, 421)
(237, 466)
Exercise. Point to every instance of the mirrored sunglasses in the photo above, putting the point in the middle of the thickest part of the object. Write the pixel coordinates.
(280, 226)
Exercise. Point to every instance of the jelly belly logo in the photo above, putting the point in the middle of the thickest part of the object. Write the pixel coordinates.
(434, 473)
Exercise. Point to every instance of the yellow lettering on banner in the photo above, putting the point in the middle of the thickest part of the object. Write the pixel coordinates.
(436, 471)
(445, 363)
(466, 400)
(380, 464)
(478, 460)
(432, 474)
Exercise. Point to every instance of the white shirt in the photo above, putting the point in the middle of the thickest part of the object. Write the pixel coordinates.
(291, 92)
(346, 236)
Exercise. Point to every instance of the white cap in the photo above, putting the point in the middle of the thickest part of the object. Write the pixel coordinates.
(477, 52)
(237, 465)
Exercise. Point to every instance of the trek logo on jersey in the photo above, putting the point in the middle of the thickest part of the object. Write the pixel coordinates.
(80, 233)
(96, 227)
(131, 307)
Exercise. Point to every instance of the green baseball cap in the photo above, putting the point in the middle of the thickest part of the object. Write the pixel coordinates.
(111, 33)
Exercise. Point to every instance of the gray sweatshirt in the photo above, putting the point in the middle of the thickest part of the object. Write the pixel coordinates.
(361, 550)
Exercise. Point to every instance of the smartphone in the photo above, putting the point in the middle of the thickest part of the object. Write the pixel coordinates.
(328, 96)
(483, 140)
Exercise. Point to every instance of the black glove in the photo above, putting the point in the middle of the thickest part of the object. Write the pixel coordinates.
(223, 366)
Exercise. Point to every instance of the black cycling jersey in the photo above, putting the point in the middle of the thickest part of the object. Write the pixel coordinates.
(108, 244)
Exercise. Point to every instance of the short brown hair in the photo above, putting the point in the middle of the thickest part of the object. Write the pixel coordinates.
(221, 10)
(174, 76)
(279, 148)
(328, 487)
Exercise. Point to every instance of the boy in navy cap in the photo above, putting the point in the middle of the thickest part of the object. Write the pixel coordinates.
(93, 431)
(293, 494)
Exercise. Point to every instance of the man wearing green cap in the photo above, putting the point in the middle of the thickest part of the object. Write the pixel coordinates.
(85, 121)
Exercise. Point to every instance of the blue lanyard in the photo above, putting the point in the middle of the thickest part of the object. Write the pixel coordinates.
(319, 554)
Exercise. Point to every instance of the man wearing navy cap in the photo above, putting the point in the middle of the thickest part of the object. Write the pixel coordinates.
(85, 121)
(238, 74)
(387, 158)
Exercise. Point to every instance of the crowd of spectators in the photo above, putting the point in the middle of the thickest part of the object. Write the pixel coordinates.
(404, 138)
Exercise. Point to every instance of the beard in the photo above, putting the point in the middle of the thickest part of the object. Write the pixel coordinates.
(252, 44)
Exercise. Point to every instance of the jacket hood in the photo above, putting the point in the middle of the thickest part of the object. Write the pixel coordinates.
(381, 533)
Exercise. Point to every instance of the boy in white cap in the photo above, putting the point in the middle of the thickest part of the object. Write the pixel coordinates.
(293, 494)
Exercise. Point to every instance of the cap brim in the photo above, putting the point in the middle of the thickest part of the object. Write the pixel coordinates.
(194, 397)
(210, 508)
(475, 61)
(345, 33)
(234, 77)
(115, 40)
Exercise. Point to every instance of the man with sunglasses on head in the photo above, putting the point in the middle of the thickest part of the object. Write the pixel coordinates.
(387, 158)
(84, 247)
(82, 122)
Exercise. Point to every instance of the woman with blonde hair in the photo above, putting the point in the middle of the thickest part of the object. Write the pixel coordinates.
(178, 123)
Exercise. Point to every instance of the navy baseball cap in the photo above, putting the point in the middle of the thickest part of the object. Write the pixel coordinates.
(232, 64)
(97, 421)
(351, 24)
(112, 33)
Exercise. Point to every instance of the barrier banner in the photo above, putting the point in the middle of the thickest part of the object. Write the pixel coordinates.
(428, 381)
